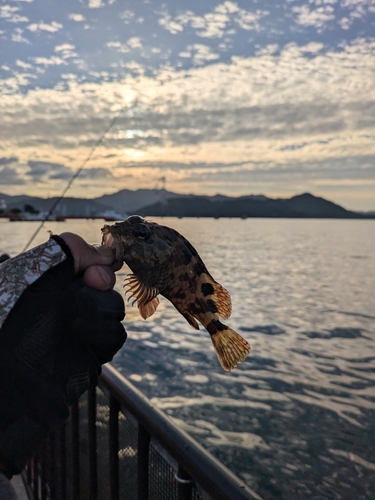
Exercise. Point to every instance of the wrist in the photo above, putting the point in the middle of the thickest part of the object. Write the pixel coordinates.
(18, 273)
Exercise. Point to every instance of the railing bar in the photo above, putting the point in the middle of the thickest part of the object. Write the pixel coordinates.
(206, 471)
(114, 409)
(143, 462)
(93, 462)
(75, 450)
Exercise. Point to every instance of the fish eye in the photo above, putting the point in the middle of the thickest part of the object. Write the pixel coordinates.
(135, 219)
(142, 231)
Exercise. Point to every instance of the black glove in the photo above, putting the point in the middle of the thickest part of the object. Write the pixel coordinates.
(52, 346)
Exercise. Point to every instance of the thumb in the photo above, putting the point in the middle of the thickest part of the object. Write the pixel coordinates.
(86, 255)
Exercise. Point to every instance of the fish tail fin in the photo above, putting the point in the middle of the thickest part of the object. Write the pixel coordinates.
(230, 347)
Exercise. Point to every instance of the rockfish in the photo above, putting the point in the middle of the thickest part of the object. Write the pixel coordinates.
(164, 262)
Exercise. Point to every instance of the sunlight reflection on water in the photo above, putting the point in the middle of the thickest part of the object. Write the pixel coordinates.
(297, 418)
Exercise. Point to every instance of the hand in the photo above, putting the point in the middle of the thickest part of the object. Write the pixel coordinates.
(95, 262)
(64, 323)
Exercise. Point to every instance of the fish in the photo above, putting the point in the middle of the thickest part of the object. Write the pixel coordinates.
(163, 262)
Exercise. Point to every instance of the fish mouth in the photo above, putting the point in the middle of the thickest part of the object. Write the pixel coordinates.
(112, 240)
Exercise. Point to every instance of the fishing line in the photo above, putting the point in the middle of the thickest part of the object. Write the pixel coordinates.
(74, 177)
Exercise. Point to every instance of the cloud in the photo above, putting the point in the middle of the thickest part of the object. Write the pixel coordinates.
(214, 24)
(344, 23)
(132, 43)
(40, 171)
(357, 9)
(127, 16)
(279, 115)
(10, 176)
(269, 97)
(23, 65)
(17, 36)
(313, 17)
(8, 13)
(8, 160)
(95, 4)
(64, 47)
(42, 26)
(95, 174)
(9, 171)
(43, 171)
(66, 50)
(49, 61)
(200, 54)
(78, 18)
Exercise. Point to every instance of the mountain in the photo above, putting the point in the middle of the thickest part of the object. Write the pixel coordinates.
(304, 206)
(127, 201)
(66, 207)
(155, 202)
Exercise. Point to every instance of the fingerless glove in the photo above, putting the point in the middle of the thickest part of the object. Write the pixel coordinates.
(56, 333)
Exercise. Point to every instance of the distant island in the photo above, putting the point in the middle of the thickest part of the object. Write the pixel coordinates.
(162, 203)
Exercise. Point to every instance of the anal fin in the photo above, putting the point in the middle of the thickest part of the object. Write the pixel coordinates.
(190, 319)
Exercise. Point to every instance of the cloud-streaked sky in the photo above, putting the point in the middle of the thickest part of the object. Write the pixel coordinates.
(259, 96)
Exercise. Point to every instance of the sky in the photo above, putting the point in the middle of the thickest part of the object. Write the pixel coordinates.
(272, 97)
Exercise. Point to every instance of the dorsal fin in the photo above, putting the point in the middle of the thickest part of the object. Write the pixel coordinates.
(145, 296)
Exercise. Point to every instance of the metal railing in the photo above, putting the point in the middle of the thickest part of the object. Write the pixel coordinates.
(117, 446)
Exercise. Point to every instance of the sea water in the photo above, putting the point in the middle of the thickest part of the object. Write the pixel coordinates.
(296, 420)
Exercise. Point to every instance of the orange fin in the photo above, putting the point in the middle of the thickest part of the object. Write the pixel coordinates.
(147, 309)
(145, 297)
(230, 348)
(220, 296)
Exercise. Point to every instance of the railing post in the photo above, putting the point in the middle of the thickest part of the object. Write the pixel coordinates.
(62, 464)
(93, 486)
(35, 477)
(53, 464)
(114, 408)
(185, 484)
(142, 464)
(44, 472)
(75, 450)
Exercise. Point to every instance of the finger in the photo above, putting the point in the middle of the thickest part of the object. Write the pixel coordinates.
(99, 277)
(86, 255)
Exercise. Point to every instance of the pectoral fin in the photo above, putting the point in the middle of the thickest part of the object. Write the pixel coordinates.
(145, 296)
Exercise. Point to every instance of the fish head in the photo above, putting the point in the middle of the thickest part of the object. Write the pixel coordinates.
(138, 243)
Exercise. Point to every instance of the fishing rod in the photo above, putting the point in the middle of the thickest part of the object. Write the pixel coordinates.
(74, 177)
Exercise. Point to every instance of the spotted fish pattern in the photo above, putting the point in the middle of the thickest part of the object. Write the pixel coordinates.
(164, 262)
